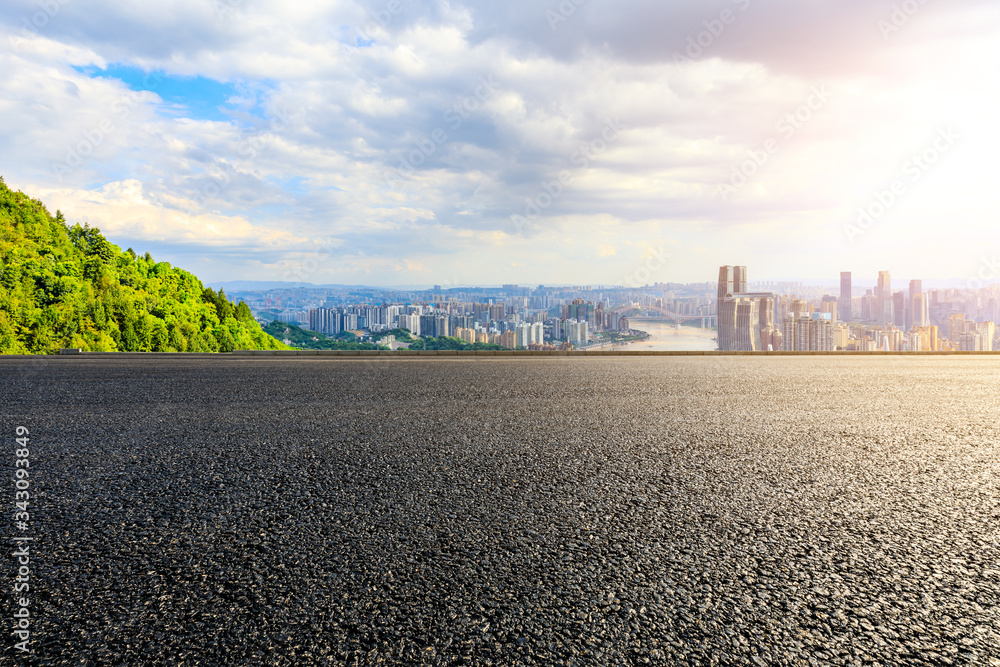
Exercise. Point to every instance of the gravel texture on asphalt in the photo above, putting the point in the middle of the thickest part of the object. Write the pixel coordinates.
(504, 511)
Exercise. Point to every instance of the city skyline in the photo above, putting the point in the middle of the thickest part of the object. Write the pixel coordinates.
(738, 317)
(407, 143)
(881, 319)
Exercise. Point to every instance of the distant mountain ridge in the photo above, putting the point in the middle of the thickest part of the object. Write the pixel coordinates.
(68, 286)
(253, 285)
(266, 285)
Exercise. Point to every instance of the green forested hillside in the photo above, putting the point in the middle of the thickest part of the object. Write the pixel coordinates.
(67, 286)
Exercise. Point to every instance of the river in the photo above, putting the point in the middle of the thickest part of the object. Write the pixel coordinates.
(664, 335)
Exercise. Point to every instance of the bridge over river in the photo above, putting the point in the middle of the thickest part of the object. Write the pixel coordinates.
(654, 313)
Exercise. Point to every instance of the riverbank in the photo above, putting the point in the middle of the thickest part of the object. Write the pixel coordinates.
(665, 336)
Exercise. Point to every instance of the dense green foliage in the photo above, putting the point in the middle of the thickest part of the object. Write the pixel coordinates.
(616, 337)
(63, 286)
(313, 340)
(450, 343)
(402, 335)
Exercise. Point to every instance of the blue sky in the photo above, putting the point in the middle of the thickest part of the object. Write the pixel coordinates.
(193, 97)
(431, 142)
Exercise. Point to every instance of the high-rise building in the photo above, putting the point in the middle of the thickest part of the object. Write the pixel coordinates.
(576, 332)
(808, 333)
(899, 310)
(800, 308)
(918, 305)
(441, 326)
(883, 298)
(508, 339)
(777, 340)
(845, 297)
(326, 320)
(841, 337)
(829, 304)
(523, 336)
(956, 327)
(988, 332)
(411, 322)
(745, 319)
(732, 280)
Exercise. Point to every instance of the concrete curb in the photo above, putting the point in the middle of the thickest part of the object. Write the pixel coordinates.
(76, 352)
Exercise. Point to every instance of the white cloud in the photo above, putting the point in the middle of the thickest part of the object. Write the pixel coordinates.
(122, 209)
(398, 150)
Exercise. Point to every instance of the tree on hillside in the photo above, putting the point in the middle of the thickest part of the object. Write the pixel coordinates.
(66, 285)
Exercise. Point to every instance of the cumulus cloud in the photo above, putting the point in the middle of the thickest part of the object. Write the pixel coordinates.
(467, 137)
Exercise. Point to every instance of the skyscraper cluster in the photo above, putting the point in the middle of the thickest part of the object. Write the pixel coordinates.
(746, 319)
(882, 319)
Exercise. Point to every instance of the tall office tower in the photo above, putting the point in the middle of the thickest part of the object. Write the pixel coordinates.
(888, 314)
(899, 310)
(883, 298)
(744, 317)
(732, 279)
(868, 307)
(747, 326)
(918, 304)
(765, 312)
(845, 296)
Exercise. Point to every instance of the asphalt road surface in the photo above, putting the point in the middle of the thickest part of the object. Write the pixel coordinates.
(538, 511)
